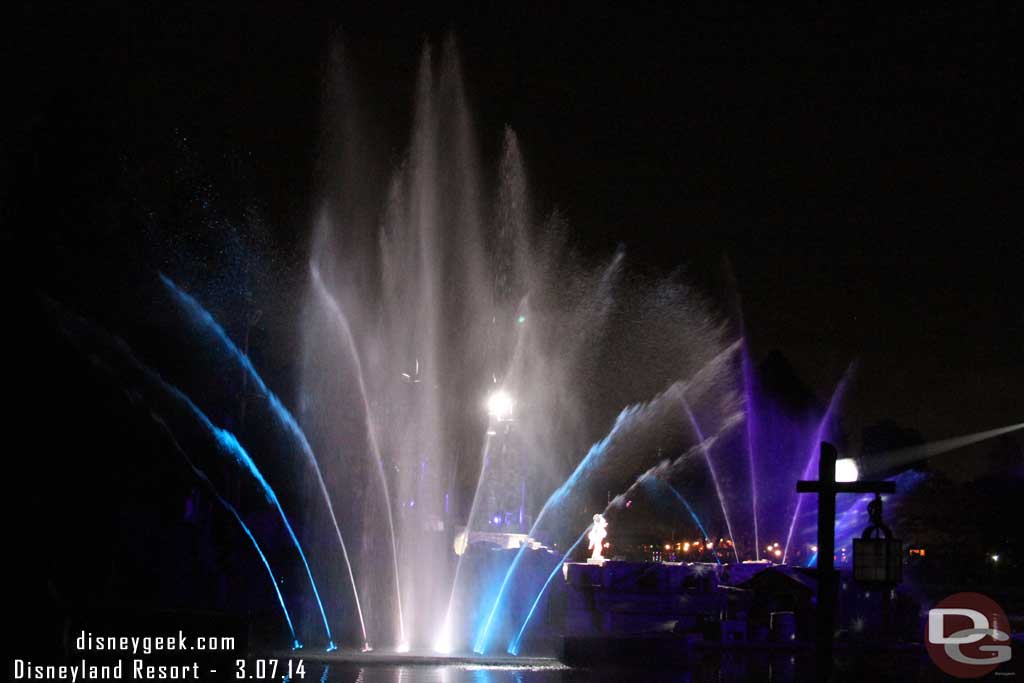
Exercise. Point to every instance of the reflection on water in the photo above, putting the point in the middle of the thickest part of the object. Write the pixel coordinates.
(776, 667)
(351, 673)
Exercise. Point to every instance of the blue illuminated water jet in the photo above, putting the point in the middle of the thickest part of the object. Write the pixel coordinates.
(234, 513)
(693, 515)
(230, 444)
(207, 321)
(662, 470)
(594, 454)
(514, 646)
(224, 439)
(629, 417)
(227, 441)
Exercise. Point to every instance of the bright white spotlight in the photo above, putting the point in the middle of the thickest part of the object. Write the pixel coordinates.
(500, 405)
(846, 470)
(402, 648)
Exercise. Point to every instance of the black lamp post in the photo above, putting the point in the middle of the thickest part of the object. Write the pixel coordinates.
(826, 488)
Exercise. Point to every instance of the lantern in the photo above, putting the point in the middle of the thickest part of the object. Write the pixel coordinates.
(877, 557)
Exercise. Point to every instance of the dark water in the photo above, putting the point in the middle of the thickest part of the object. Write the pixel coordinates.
(347, 673)
(906, 666)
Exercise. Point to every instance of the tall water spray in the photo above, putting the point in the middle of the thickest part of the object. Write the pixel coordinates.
(813, 449)
(428, 293)
(458, 357)
(118, 359)
(208, 324)
(236, 515)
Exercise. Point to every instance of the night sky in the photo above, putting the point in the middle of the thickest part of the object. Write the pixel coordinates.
(860, 174)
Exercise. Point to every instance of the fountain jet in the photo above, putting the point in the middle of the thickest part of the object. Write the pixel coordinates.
(714, 477)
(630, 417)
(205, 320)
(225, 440)
(371, 431)
(819, 435)
(238, 518)
(693, 515)
(748, 391)
(661, 471)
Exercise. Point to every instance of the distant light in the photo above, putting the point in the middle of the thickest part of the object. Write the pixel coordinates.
(521, 319)
(846, 470)
(710, 545)
(497, 519)
(814, 548)
(668, 547)
(402, 647)
(499, 405)
(778, 553)
(775, 545)
(995, 558)
(686, 547)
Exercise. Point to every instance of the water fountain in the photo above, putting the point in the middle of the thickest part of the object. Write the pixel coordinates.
(422, 313)
(457, 358)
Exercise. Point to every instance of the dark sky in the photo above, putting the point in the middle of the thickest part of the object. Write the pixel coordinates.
(862, 173)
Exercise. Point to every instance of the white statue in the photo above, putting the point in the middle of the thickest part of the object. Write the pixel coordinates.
(597, 534)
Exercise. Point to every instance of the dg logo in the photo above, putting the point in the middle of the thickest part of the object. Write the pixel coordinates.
(968, 635)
